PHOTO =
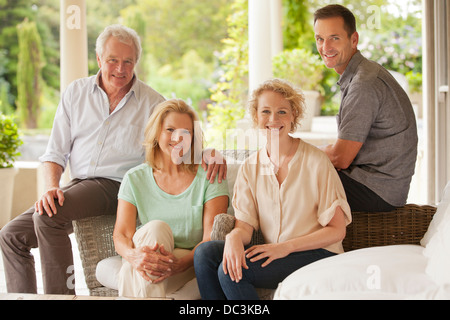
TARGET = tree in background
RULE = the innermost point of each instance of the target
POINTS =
(29, 78)
(134, 18)
(11, 14)
(5, 96)
(229, 94)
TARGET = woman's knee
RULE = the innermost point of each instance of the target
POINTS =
(208, 256)
(155, 231)
(208, 249)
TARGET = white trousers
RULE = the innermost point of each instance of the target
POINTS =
(131, 283)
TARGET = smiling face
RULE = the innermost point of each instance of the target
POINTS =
(334, 44)
(176, 135)
(274, 114)
(117, 64)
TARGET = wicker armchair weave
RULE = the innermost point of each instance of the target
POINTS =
(404, 225)
(95, 243)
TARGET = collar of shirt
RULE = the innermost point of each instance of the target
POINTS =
(347, 76)
(135, 88)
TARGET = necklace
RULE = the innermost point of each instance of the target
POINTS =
(276, 168)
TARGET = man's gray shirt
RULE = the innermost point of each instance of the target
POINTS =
(377, 112)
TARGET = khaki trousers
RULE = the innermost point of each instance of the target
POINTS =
(83, 198)
(131, 283)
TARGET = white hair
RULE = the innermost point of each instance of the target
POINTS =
(123, 34)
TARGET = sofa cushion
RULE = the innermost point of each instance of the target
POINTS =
(378, 272)
(438, 253)
(107, 272)
(442, 213)
(437, 242)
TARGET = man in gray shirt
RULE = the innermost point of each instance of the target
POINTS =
(376, 149)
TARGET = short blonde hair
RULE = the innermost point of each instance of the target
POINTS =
(154, 127)
(293, 95)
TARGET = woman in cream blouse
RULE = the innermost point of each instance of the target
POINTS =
(288, 189)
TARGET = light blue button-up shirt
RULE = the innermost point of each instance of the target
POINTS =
(99, 144)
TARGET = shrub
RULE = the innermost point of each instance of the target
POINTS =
(9, 141)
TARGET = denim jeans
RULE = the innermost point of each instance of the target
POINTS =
(215, 285)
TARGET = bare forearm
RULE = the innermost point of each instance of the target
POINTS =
(124, 246)
(334, 232)
(316, 240)
(241, 231)
(52, 173)
(342, 152)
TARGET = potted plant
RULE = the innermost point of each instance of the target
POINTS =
(9, 145)
(305, 70)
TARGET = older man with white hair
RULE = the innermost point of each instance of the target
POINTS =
(98, 126)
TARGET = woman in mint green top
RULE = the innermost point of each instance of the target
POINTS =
(174, 201)
(183, 212)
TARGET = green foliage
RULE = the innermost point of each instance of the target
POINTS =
(5, 96)
(297, 25)
(11, 14)
(174, 27)
(301, 67)
(46, 15)
(30, 64)
(187, 79)
(229, 94)
(9, 141)
(414, 81)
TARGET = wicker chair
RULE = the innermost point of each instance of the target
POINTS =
(405, 225)
(95, 243)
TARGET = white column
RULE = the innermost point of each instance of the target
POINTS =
(73, 31)
(429, 98)
(73, 47)
(265, 40)
(260, 43)
(276, 17)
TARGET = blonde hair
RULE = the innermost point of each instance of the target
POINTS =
(293, 95)
(154, 127)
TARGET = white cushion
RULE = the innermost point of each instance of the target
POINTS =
(383, 272)
(442, 213)
(107, 272)
(437, 242)
(437, 293)
(189, 291)
(438, 253)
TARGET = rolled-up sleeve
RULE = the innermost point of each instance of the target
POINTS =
(331, 195)
(244, 199)
(58, 148)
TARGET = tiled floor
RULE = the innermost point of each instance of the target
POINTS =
(80, 284)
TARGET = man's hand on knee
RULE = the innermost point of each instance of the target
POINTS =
(47, 202)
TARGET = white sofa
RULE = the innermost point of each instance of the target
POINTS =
(388, 272)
